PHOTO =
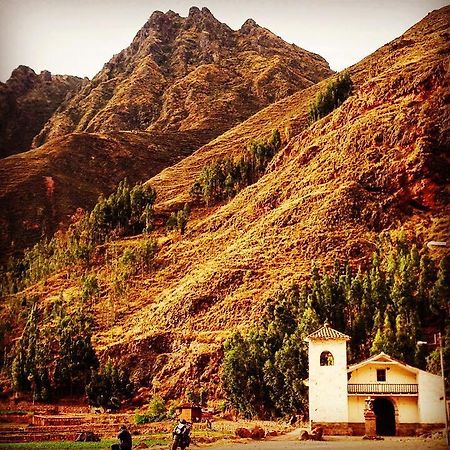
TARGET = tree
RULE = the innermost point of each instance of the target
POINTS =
(224, 178)
(76, 358)
(440, 293)
(333, 96)
(24, 363)
(384, 339)
(109, 387)
(243, 375)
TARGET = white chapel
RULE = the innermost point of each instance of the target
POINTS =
(406, 400)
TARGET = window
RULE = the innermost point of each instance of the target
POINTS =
(326, 359)
(381, 374)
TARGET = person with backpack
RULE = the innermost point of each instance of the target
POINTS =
(181, 435)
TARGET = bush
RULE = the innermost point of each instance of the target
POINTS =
(156, 411)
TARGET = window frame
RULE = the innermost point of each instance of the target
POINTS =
(381, 373)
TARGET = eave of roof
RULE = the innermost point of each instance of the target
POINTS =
(327, 333)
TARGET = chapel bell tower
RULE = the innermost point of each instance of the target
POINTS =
(327, 356)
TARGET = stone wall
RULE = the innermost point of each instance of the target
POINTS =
(333, 428)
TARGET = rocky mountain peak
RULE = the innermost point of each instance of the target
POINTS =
(158, 20)
(22, 78)
(174, 65)
(248, 25)
(203, 19)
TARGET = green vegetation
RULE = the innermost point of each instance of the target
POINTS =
(178, 220)
(70, 445)
(127, 211)
(198, 397)
(224, 178)
(53, 355)
(386, 307)
(335, 94)
(155, 412)
(109, 387)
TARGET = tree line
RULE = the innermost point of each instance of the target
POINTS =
(128, 210)
(224, 178)
(54, 357)
(387, 307)
(336, 92)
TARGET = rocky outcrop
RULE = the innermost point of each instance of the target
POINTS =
(27, 101)
(191, 73)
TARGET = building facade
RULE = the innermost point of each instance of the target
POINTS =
(406, 400)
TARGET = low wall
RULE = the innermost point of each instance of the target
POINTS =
(15, 418)
(44, 421)
(417, 429)
(402, 429)
(332, 428)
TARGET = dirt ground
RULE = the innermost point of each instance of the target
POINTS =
(291, 442)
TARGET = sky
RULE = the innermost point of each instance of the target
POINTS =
(76, 37)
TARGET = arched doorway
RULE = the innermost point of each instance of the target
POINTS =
(385, 414)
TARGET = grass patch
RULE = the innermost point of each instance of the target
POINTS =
(70, 445)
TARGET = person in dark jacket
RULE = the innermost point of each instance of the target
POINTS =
(181, 435)
(124, 436)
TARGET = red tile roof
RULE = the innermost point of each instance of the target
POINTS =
(326, 332)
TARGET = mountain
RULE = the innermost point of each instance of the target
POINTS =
(377, 162)
(192, 73)
(27, 101)
(51, 182)
(182, 81)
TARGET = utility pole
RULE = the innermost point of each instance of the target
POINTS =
(438, 341)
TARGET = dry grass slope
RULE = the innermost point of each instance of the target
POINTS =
(378, 162)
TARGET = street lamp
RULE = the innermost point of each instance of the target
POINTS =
(438, 341)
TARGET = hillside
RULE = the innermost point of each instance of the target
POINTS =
(181, 83)
(27, 101)
(49, 183)
(192, 73)
(378, 162)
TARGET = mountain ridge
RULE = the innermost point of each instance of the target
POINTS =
(169, 47)
(180, 77)
(27, 101)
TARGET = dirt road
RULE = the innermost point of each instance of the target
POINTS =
(289, 442)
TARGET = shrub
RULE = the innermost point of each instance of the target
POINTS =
(156, 411)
